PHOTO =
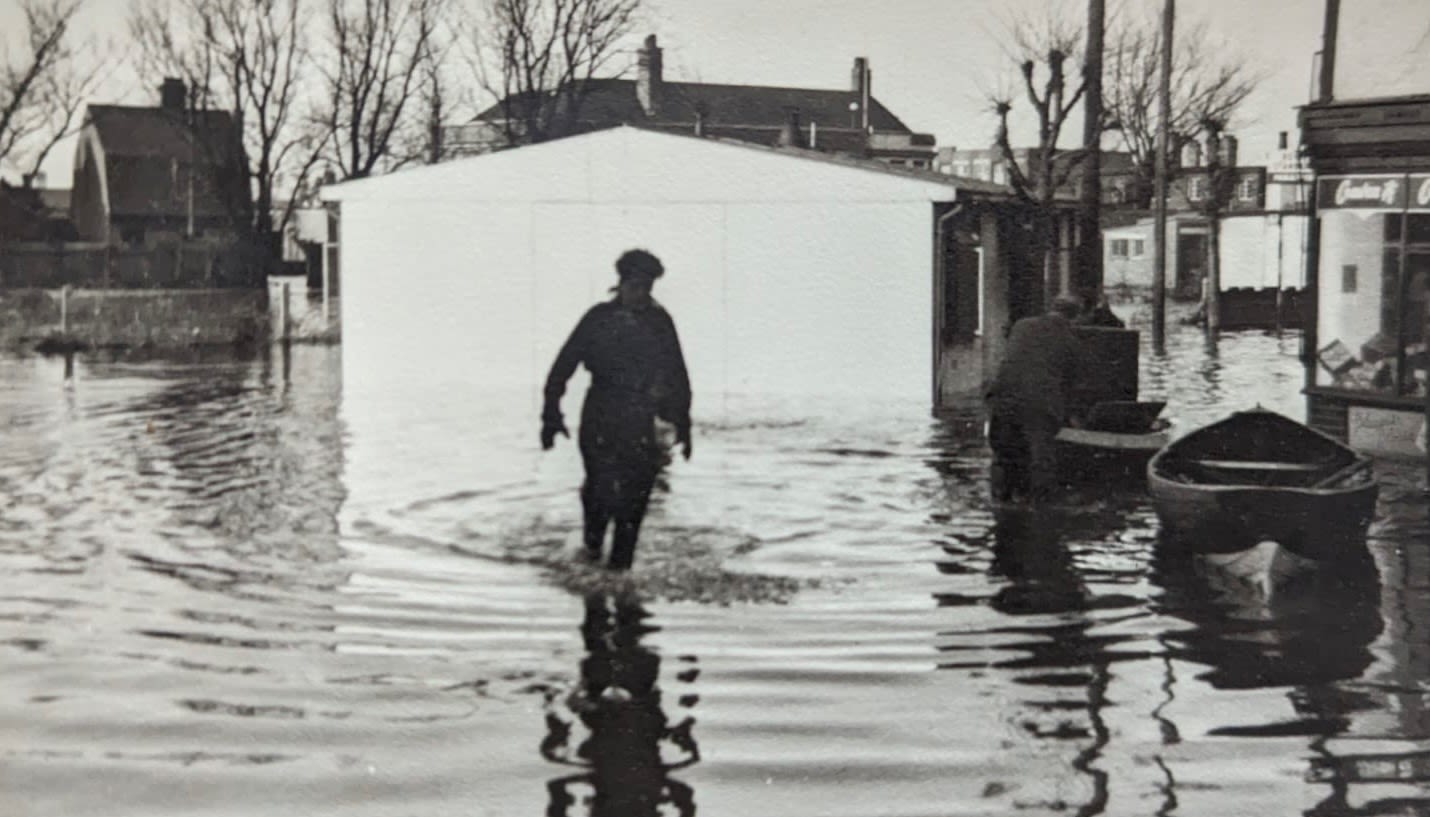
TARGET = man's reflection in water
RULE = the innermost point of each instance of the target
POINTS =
(1029, 552)
(1068, 665)
(619, 703)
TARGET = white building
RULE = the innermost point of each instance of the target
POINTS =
(787, 272)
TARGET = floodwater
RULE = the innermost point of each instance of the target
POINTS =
(216, 599)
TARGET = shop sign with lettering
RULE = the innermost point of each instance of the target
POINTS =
(1366, 192)
(1419, 192)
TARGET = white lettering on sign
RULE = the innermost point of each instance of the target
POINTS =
(1348, 192)
(1422, 196)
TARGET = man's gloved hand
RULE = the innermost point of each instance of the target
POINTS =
(683, 437)
(549, 430)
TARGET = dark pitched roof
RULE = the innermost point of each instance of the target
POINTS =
(148, 153)
(131, 131)
(614, 102)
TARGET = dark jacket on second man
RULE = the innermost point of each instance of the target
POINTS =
(1041, 366)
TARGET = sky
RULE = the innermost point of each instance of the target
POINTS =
(933, 61)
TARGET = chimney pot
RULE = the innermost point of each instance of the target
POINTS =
(172, 94)
(862, 78)
(1228, 154)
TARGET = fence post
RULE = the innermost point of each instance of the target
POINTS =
(65, 309)
(283, 312)
(325, 285)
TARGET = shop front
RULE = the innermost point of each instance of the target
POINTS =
(1368, 377)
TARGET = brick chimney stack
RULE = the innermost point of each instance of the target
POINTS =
(648, 77)
(861, 78)
(172, 94)
(1228, 151)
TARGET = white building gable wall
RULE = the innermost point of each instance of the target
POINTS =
(785, 275)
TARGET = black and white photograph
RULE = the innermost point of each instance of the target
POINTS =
(660, 408)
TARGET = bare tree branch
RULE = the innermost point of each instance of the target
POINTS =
(379, 53)
(537, 57)
(1041, 45)
(44, 85)
(1208, 84)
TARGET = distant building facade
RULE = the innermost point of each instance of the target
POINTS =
(850, 122)
(145, 175)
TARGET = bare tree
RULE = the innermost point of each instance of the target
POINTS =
(1208, 84)
(537, 57)
(381, 62)
(1042, 47)
(44, 86)
(249, 57)
(440, 97)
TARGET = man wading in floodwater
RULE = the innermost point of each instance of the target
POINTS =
(637, 374)
(1028, 401)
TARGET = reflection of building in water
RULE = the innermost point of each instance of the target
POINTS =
(1379, 763)
(618, 701)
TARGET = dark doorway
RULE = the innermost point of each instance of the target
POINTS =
(1191, 264)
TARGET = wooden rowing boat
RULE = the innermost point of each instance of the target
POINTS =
(1258, 477)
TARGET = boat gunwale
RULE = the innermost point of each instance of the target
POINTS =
(1169, 452)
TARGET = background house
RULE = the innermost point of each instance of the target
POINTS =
(148, 175)
(1262, 224)
(850, 121)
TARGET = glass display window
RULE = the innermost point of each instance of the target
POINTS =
(1374, 269)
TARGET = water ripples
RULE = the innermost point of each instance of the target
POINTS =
(215, 598)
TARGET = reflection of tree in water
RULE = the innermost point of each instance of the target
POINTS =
(619, 704)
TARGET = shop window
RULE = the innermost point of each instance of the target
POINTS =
(1418, 228)
(1246, 190)
(1372, 327)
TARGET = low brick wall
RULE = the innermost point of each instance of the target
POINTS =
(154, 318)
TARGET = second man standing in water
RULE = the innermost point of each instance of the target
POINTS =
(631, 349)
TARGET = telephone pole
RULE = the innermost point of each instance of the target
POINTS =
(1159, 231)
(1089, 262)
